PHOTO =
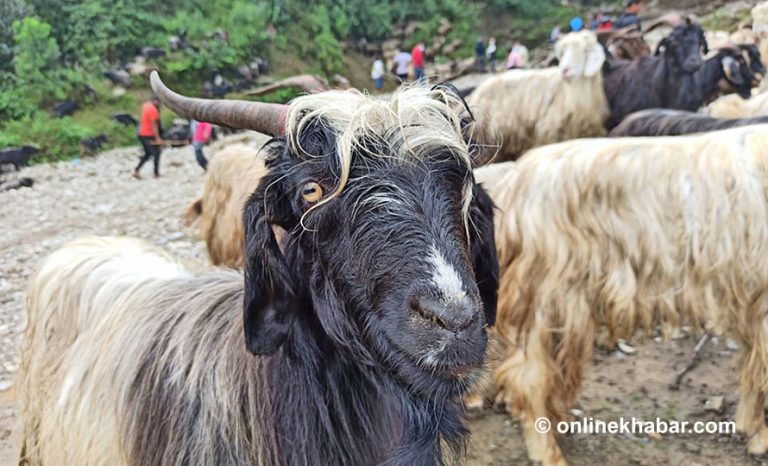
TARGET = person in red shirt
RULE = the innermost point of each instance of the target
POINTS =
(149, 135)
(417, 57)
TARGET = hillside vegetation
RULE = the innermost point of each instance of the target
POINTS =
(53, 51)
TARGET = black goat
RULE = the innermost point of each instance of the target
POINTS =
(17, 156)
(665, 122)
(16, 184)
(725, 72)
(752, 55)
(118, 77)
(665, 80)
(125, 119)
(65, 108)
(89, 146)
(217, 91)
(370, 276)
(151, 53)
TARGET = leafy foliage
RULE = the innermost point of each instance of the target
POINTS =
(58, 139)
(52, 50)
(38, 75)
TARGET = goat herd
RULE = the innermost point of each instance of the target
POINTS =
(376, 256)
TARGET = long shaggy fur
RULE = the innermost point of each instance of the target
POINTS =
(521, 109)
(733, 106)
(615, 235)
(664, 122)
(75, 296)
(348, 340)
(233, 175)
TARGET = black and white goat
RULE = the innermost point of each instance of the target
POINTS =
(363, 320)
(725, 72)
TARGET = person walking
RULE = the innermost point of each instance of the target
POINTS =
(201, 136)
(149, 135)
(555, 34)
(490, 52)
(480, 55)
(417, 54)
(377, 73)
(403, 61)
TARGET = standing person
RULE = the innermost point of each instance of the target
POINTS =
(480, 55)
(149, 135)
(418, 60)
(201, 136)
(594, 22)
(490, 52)
(606, 23)
(403, 61)
(555, 34)
(518, 56)
(576, 24)
(377, 73)
(630, 16)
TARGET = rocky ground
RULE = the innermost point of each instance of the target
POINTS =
(98, 196)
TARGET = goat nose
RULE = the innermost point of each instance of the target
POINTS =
(694, 63)
(452, 314)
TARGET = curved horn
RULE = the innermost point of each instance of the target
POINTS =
(262, 117)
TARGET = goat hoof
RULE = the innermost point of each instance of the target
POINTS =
(758, 444)
(474, 407)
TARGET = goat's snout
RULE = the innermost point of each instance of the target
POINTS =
(453, 314)
(692, 63)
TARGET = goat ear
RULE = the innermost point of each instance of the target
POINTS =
(595, 60)
(269, 296)
(483, 252)
(662, 46)
(731, 71)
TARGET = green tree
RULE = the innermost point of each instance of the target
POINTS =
(38, 73)
(10, 11)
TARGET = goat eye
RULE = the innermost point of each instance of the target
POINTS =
(311, 192)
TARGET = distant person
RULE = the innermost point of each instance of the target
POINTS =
(403, 61)
(518, 56)
(605, 24)
(630, 16)
(490, 53)
(594, 22)
(555, 34)
(149, 135)
(377, 74)
(576, 24)
(417, 55)
(200, 137)
(480, 55)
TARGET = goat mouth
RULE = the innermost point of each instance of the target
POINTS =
(451, 361)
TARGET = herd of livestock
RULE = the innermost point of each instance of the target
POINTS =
(371, 247)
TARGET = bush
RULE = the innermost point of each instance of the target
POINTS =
(58, 139)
